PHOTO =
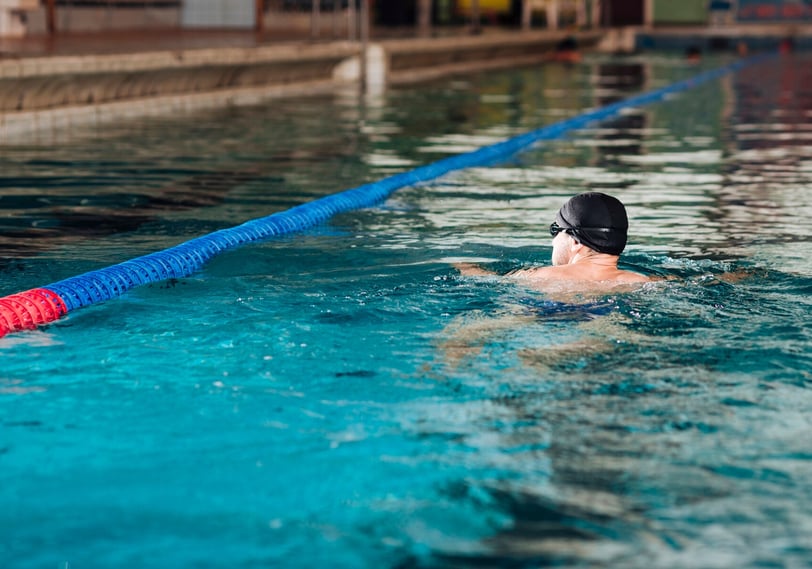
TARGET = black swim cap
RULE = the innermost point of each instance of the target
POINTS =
(598, 221)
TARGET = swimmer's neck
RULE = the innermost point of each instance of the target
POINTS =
(595, 259)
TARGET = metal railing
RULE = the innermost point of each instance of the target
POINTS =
(340, 19)
(108, 15)
(313, 19)
(321, 19)
(333, 19)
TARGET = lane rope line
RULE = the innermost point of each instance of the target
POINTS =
(32, 308)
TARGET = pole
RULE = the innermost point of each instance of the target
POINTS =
(259, 16)
(648, 14)
(552, 14)
(352, 20)
(364, 43)
(424, 18)
(50, 17)
(315, 24)
(476, 24)
(527, 14)
(580, 14)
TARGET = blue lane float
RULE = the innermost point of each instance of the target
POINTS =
(35, 307)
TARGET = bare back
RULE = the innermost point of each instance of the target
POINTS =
(579, 278)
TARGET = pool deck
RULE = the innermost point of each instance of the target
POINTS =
(54, 83)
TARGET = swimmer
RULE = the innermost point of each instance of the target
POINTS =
(693, 54)
(589, 234)
(567, 50)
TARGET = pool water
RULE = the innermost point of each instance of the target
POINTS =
(342, 397)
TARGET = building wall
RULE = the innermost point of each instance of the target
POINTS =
(682, 12)
(700, 12)
(218, 14)
(77, 18)
(774, 11)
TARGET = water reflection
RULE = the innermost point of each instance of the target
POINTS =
(767, 137)
(37, 222)
(662, 451)
(681, 442)
(636, 455)
(167, 179)
(623, 135)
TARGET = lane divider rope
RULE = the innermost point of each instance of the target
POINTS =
(29, 309)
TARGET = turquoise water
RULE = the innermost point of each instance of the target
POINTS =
(342, 397)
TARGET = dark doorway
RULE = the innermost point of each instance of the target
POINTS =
(622, 13)
(396, 12)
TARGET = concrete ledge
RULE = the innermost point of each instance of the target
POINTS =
(27, 124)
(413, 60)
(51, 82)
(51, 92)
(411, 54)
(151, 60)
(59, 90)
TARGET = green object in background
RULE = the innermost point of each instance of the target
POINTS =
(444, 11)
(682, 12)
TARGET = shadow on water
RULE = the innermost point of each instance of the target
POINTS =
(36, 223)
(545, 533)
(115, 181)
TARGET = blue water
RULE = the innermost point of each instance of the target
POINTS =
(342, 397)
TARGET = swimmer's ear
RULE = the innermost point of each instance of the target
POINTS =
(575, 245)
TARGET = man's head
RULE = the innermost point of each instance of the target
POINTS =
(595, 220)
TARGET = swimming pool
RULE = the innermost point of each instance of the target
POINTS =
(341, 396)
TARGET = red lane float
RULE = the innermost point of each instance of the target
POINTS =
(29, 309)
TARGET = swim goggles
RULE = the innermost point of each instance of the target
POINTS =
(555, 229)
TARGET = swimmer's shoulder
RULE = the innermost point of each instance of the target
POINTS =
(571, 273)
(632, 277)
(560, 275)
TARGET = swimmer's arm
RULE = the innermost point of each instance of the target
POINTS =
(531, 273)
(473, 270)
(739, 275)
